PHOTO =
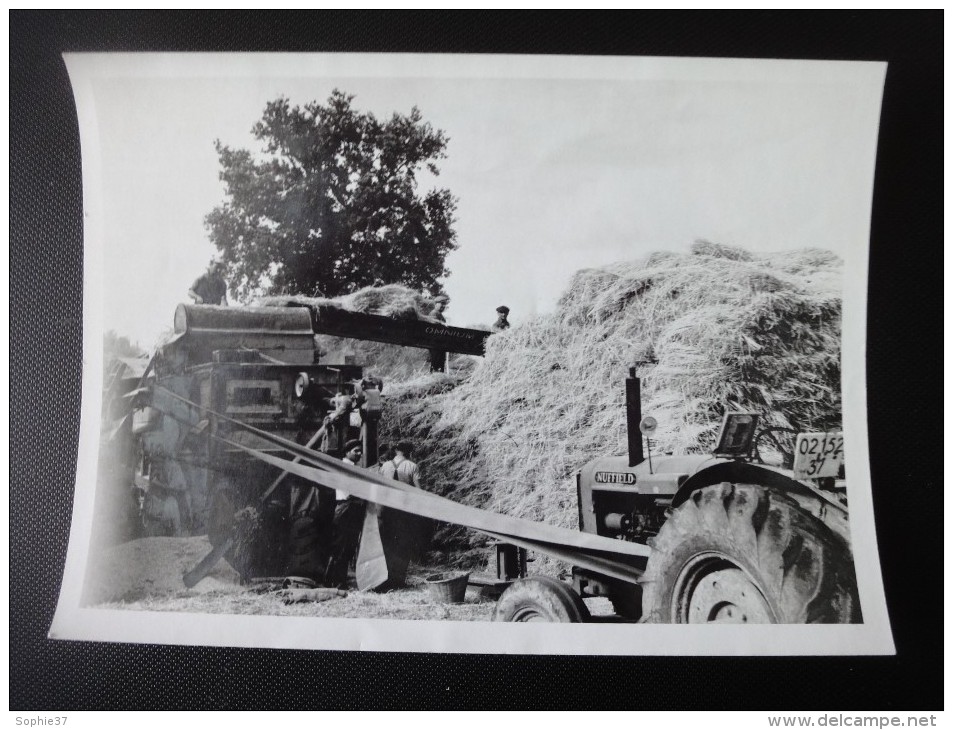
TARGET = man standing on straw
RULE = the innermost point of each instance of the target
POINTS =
(502, 323)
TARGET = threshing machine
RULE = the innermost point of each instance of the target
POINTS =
(258, 366)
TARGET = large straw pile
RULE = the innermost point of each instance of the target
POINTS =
(717, 329)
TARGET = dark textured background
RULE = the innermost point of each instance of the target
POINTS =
(904, 371)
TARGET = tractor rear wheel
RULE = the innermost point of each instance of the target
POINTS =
(539, 598)
(744, 553)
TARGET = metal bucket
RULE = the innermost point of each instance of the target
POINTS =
(448, 587)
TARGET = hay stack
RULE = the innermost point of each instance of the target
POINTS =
(727, 329)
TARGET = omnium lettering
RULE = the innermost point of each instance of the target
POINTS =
(615, 477)
(450, 333)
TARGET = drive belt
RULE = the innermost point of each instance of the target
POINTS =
(615, 558)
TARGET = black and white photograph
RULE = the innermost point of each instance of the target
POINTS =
(615, 181)
(407, 349)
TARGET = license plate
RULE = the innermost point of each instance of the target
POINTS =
(818, 455)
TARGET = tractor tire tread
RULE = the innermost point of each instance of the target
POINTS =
(804, 571)
(541, 597)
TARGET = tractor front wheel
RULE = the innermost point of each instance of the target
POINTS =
(539, 598)
(743, 553)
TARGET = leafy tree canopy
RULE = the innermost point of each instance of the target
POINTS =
(331, 204)
(117, 345)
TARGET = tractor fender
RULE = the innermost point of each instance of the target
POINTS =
(809, 498)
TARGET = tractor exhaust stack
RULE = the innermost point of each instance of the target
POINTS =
(633, 416)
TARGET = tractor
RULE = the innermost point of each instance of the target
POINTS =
(733, 538)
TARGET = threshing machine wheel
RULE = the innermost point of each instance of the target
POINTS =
(538, 598)
(745, 553)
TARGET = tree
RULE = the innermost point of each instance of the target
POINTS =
(117, 345)
(332, 203)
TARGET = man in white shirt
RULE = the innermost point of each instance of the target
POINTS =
(348, 520)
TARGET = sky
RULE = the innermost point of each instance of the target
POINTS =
(558, 163)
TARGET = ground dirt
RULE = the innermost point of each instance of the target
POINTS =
(146, 575)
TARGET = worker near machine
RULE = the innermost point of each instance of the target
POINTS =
(415, 532)
(353, 451)
(401, 467)
(438, 358)
(210, 287)
(385, 453)
(440, 303)
(348, 520)
(502, 323)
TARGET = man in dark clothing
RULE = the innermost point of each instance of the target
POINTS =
(410, 533)
(210, 287)
(384, 454)
(348, 520)
(502, 322)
